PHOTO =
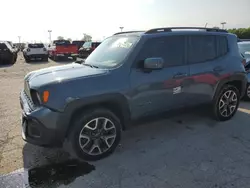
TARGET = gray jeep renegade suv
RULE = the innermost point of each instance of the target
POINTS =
(129, 76)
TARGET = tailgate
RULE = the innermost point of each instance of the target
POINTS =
(37, 51)
(69, 48)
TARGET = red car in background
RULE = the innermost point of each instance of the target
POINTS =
(62, 49)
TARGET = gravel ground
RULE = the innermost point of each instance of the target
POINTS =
(11, 82)
(189, 150)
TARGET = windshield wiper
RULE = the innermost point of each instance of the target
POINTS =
(89, 65)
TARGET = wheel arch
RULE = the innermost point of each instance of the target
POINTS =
(238, 80)
(116, 103)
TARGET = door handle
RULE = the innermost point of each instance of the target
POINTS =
(218, 69)
(180, 75)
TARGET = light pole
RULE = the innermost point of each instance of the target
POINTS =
(50, 35)
(19, 39)
(206, 25)
(121, 28)
(222, 24)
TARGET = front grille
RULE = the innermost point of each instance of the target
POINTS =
(26, 99)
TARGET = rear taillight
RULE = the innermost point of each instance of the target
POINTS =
(28, 49)
(244, 62)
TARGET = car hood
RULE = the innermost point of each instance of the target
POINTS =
(61, 73)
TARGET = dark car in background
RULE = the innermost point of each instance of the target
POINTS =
(244, 48)
(79, 43)
(7, 54)
(87, 48)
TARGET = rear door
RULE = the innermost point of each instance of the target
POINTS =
(159, 90)
(207, 61)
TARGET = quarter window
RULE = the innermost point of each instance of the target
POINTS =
(222, 47)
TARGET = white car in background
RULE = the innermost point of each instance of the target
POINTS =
(35, 51)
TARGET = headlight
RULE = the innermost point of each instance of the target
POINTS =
(38, 97)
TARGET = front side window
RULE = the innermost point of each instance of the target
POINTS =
(201, 48)
(170, 48)
(112, 51)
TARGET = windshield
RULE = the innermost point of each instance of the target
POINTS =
(61, 42)
(244, 48)
(87, 45)
(112, 51)
(35, 45)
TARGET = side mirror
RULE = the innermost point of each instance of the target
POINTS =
(154, 63)
(49, 45)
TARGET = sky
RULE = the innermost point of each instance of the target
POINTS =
(31, 19)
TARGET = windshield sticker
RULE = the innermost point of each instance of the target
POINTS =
(122, 43)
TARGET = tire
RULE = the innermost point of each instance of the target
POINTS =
(54, 57)
(247, 93)
(27, 59)
(74, 58)
(45, 59)
(80, 126)
(218, 108)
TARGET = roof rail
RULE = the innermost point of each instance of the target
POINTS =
(169, 29)
(127, 32)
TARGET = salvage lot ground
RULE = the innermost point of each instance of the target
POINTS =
(189, 150)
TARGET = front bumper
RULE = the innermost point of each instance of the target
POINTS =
(39, 125)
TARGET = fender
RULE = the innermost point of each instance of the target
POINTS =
(77, 105)
(242, 77)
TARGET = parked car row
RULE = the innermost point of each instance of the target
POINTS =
(59, 49)
(131, 75)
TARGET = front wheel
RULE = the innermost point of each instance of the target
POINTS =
(96, 134)
(226, 104)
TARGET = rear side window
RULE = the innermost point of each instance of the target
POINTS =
(170, 48)
(35, 45)
(201, 48)
(222, 47)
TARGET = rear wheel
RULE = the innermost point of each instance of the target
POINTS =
(226, 104)
(27, 59)
(74, 58)
(54, 57)
(96, 134)
(247, 93)
(45, 59)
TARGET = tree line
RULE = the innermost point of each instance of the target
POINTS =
(86, 37)
(242, 33)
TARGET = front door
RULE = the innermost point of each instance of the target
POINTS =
(159, 90)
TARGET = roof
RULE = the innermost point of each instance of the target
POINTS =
(173, 29)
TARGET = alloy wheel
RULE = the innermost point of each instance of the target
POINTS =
(228, 103)
(248, 91)
(97, 136)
